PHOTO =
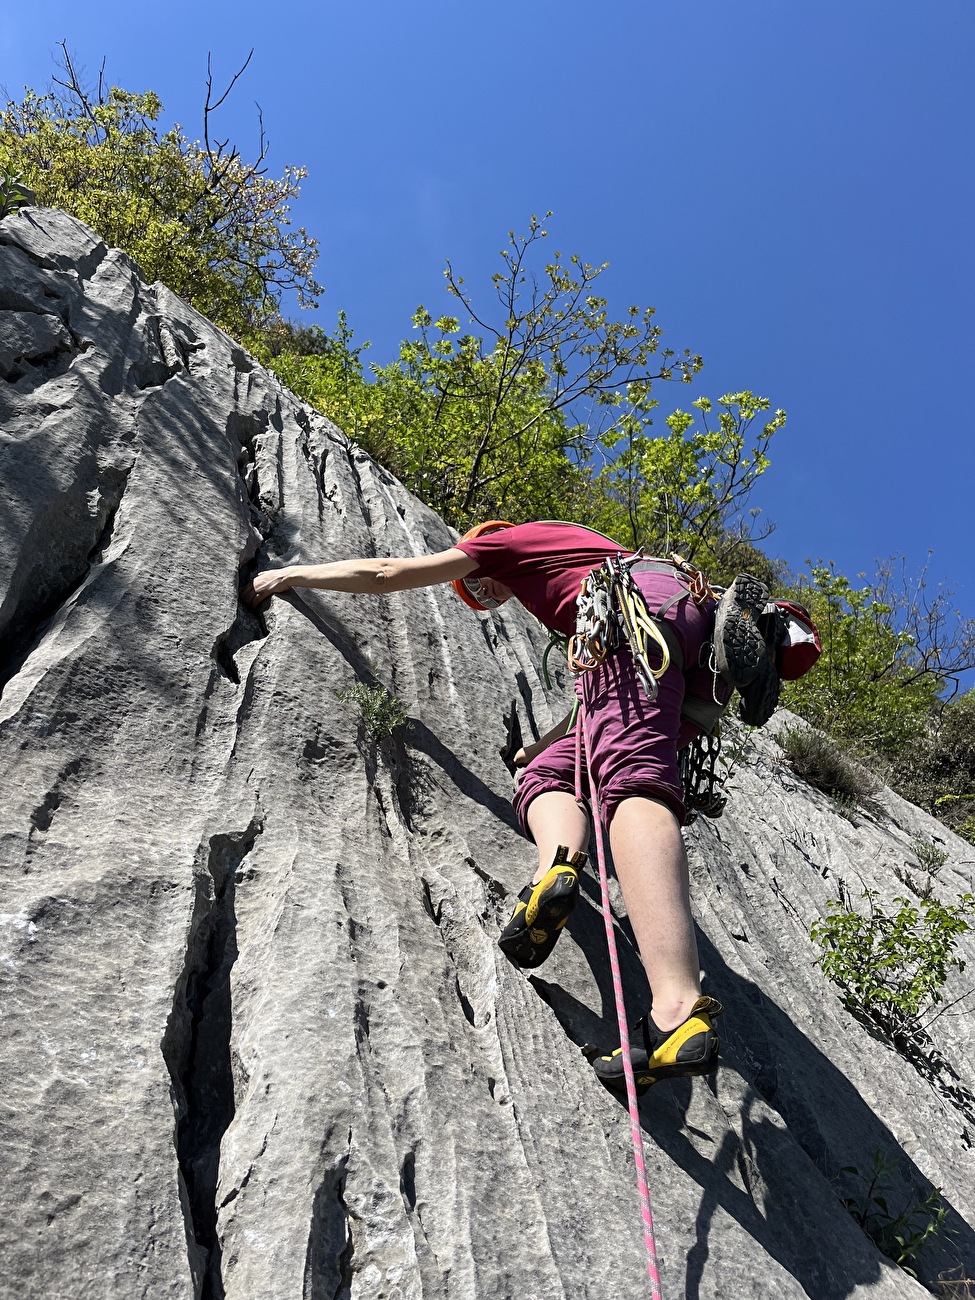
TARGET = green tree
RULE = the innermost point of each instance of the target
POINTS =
(892, 966)
(887, 656)
(194, 214)
(689, 490)
(544, 412)
(937, 771)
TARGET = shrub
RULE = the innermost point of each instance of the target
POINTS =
(823, 764)
(380, 711)
(14, 193)
(877, 680)
(898, 1234)
(892, 966)
(937, 772)
(931, 857)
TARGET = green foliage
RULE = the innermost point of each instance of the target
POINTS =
(888, 652)
(822, 763)
(866, 687)
(931, 857)
(14, 193)
(380, 711)
(897, 1233)
(937, 771)
(193, 214)
(542, 413)
(686, 491)
(892, 966)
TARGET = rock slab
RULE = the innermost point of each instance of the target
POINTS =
(257, 1041)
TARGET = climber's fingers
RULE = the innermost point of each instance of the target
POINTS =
(266, 584)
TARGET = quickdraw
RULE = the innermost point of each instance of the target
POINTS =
(611, 610)
(612, 607)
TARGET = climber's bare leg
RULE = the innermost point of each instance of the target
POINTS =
(555, 818)
(651, 865)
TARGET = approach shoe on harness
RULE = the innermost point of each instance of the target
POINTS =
(739, 646)
(761, 695)
(656, 1054)
(542, 910)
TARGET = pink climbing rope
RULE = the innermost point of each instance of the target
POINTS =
(583, 743)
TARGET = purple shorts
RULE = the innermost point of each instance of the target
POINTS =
(634, 740)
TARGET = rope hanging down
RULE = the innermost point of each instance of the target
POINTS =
(583, 745)
(612, 609)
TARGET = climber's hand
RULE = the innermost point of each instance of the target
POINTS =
(266, 584)
(520, 758)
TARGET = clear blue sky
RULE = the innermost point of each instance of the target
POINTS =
(790, 184)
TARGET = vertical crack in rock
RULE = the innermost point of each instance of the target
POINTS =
(328, 1257)
(247, 626)
(196, 1048)
(168, 346)
(352, 451)
(315, 463)
(53, 578)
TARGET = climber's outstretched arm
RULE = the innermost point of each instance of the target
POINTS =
(377, 576)
(522, 757)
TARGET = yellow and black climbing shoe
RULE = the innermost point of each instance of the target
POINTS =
(691, 1048)
(542, 911)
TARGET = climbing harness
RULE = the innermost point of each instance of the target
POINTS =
(611, 608)
(613, 611)
(583, 747)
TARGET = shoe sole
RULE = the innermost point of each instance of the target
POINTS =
(758, 700)
(739, 645)
(645, 1079)
(554, 909)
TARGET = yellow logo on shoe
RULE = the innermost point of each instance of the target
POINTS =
(550, 878)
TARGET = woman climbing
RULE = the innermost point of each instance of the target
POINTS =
(631, 759)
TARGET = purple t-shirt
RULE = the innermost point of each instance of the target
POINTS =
(544, 565)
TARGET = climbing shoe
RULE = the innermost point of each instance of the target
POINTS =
(542, 911)
(691, 1048)
(739, 646)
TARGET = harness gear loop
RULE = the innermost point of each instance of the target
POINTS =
(555, 641)
(583, 743)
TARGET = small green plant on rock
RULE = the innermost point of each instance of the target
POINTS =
(823, 764)
(898, 1234)
(14, 193)
(930, 856)
(381, 712)
(892, 966)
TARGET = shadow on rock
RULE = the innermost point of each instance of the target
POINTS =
(764, 1174)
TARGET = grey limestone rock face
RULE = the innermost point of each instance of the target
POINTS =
(257, 1040)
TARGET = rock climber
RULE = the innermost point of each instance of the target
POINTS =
(633, 759)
